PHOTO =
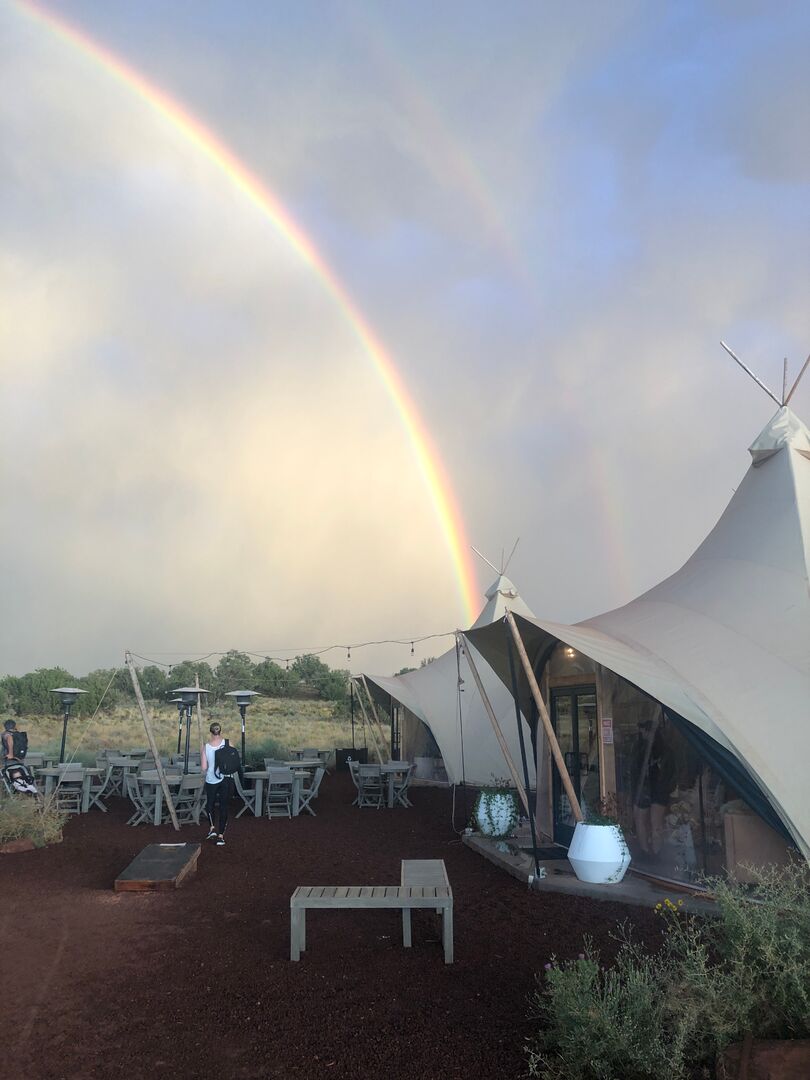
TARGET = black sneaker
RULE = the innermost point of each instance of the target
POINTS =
(212, 835)
(220, 841)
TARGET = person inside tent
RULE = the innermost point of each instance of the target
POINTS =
(15, 771)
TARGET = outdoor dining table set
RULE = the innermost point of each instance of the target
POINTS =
(282, 789)
(387, 783)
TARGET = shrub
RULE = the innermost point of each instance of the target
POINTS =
(764, 939)
(669, 1013)
(24, 818)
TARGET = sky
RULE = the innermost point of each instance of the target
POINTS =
(547, 216)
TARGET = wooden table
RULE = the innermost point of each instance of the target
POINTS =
(259, 776)
(151, 778)
(52, 774)
(121, 765)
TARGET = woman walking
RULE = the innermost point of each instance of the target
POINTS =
(218, 788)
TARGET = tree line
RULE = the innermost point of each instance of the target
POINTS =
(306, 677)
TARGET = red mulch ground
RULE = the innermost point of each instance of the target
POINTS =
(198, 982)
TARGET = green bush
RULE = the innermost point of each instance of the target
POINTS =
(670, 1012)
(24, 818)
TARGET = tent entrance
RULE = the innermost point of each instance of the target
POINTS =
(573, 717)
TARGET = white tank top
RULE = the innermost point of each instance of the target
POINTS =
(210, 752)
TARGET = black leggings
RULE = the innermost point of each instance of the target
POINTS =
(221, 793)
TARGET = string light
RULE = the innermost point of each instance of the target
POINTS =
(299, 652)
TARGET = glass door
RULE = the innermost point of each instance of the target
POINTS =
(573, 717)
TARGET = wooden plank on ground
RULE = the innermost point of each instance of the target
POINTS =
(159, 867)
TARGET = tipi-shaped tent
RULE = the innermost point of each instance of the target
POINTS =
(436, 716)
(723, 644)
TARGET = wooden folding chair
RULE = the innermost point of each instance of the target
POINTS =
(279, 793)
(188, 800)
(369, 786)
(101, 786)
(401, 785)
(310, 792)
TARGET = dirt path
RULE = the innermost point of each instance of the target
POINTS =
(198, 983)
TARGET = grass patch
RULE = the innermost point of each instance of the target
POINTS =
(274, 727)
(24, 818)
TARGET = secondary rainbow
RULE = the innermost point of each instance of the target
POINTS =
(207, 143)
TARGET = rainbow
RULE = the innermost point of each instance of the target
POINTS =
(211, 147)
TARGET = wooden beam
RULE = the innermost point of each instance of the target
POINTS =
(568, 787)
(798, 379)
(496, 727)
(367, 723)
(150, 738)
(374, 713)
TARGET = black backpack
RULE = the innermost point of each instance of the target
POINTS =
(227, 761)
(19, 744)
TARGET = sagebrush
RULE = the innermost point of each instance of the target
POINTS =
(670, 1012)
(24, 818)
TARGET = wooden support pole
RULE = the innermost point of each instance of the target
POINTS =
(496, 727)
(600, 745)
(150, 738)
(367, 724)
(798, 380)
(568, 787)
(375, 714)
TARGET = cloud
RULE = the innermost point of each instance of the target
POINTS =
(549, 223)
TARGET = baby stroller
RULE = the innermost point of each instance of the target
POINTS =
(18, 779)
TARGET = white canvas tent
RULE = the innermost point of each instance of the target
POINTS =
(468, 745)
(725, 641)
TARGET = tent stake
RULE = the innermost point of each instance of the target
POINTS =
(496, 727)
(150, 736)
(543, 711)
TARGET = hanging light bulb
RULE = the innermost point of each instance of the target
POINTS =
(412, 653)
(348, 652)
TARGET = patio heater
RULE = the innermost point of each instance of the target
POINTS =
(188, 699)
(181, 708)
(70, 694)
(243, 700)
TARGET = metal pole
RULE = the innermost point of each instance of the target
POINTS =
(516, 696)
(496, 727)
(188, 737)
(179, 728)
(351, 706)
(64, 733)
(242, 710)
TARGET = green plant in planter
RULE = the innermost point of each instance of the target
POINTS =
(495, 811)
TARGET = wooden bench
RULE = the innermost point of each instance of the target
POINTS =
(414, 892)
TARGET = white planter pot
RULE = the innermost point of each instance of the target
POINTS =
(495, 814)
(598, 853)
